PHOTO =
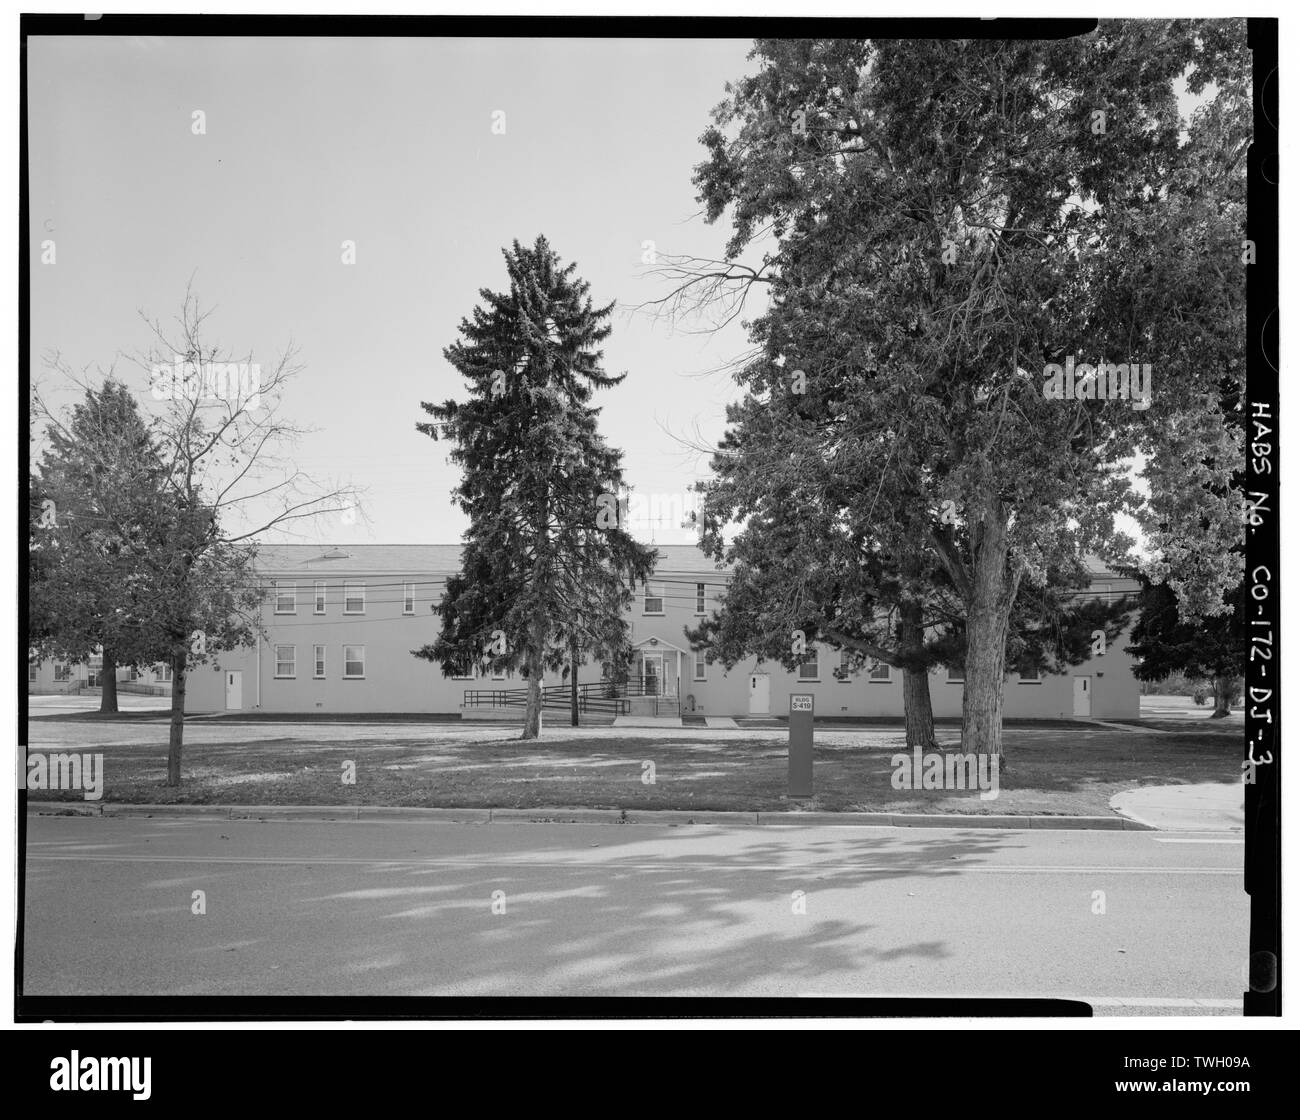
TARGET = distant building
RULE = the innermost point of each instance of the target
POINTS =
(54, 676)
(341, 624)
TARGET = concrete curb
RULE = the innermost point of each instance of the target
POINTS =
(374, 813)
(218, 812)
(558, 816)
(294, 812)
(380, 813)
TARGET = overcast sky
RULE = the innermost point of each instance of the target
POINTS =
(387, 143)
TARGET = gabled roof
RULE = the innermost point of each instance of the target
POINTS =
(409, 559)
(386, 558)
(685, 558)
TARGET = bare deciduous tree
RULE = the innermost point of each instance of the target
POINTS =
(224, 446)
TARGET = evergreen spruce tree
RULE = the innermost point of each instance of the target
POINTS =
(547, 569)
(102, 511)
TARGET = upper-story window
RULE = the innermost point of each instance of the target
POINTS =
(879, 672)
(957, 675)
(1031, 675)
(408, 598)
(354, 598)
(320, 597)
(286, 597)
(699, 598)
(654, 599)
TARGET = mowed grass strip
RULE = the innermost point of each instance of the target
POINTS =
(1055, 772)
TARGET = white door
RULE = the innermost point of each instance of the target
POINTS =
(760, 694)
(1083, 697)
(234, 689)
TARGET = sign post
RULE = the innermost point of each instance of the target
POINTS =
(801, 745)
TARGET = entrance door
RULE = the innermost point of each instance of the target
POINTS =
(234, 689)
(1083, 697)
(760, 694)
(654, 673)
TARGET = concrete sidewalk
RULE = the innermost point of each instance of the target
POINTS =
(1205, 807)
(647, 721)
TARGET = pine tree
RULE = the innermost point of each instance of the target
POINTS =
(547, 569)
(1212, 648)
(102, 511)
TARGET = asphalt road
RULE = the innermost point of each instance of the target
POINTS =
(407, 908)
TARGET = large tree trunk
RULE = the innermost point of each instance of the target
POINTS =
(108, 684)
(533, 705)
(988, 609)
(918, 715)
(176, 736)
(573, 684)
(1223, 687)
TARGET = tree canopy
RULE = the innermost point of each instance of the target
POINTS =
(943, 222)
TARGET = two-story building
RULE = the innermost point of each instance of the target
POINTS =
(341, 623)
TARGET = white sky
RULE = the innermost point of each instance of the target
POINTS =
(386, 142)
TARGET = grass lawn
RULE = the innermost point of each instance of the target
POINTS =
(1071, 771)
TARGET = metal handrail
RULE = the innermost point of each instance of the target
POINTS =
(593, 696)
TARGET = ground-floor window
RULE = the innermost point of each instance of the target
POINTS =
(462, 670)
(354, 662)
(286, 661)
(62, 672)
(318, 657)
